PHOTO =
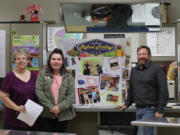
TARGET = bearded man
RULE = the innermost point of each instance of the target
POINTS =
(148, 89)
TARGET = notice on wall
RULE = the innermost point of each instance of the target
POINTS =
(31, 44)
(2, 53)
(178, 52)
(56, 34)
(138, 13)
(152, 16)
(162, 43)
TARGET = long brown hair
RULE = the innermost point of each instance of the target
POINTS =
(63, 67)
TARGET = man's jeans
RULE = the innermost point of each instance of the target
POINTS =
(145, 113)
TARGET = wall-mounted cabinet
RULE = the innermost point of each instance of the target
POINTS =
(113, 16)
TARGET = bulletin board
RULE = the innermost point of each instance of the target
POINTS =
(100, 68)
(100, 64)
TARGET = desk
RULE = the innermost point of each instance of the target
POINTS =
(157, 122)
(18, 132)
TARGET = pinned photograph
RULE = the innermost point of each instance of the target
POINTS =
(109, 82)
(92, 67)
(92, 81)
(89, 95)
(124, 95)
(125, 74)
(73, 73)
(127, 60)
(112, 98)
(114, 63)
(73, 62)
(66, 61)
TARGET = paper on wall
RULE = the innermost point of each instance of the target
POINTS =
(178, 52)
(162, 43)
(2, 53)
(152, 16)
(33, 110)
(138, 13)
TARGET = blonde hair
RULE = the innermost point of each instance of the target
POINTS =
(20, 51)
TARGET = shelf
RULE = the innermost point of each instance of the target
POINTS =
(109, 1)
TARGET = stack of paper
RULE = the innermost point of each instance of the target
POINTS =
(33, 110)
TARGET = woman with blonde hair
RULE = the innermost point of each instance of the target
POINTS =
(18, 86)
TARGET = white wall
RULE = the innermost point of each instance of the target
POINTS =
(173, 10)
(10, 10)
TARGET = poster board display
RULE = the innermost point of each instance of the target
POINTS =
(31, 43)
(100, 68)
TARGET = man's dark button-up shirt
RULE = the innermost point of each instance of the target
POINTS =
(148, 86)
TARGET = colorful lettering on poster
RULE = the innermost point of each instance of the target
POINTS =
(96, 47)
(25, 40)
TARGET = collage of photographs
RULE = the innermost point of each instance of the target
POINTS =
(100, 80)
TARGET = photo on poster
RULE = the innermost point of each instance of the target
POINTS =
(124, 95)
(109, 98)
(73, 61)
(127, 60)
(92, 81)
(127, 84)
(112, 98)
(125, 87)
(89, 95)
(125, 74)
(93, 66)
(73, 73)
(67, 61)
(109, 82)
(113, 62)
